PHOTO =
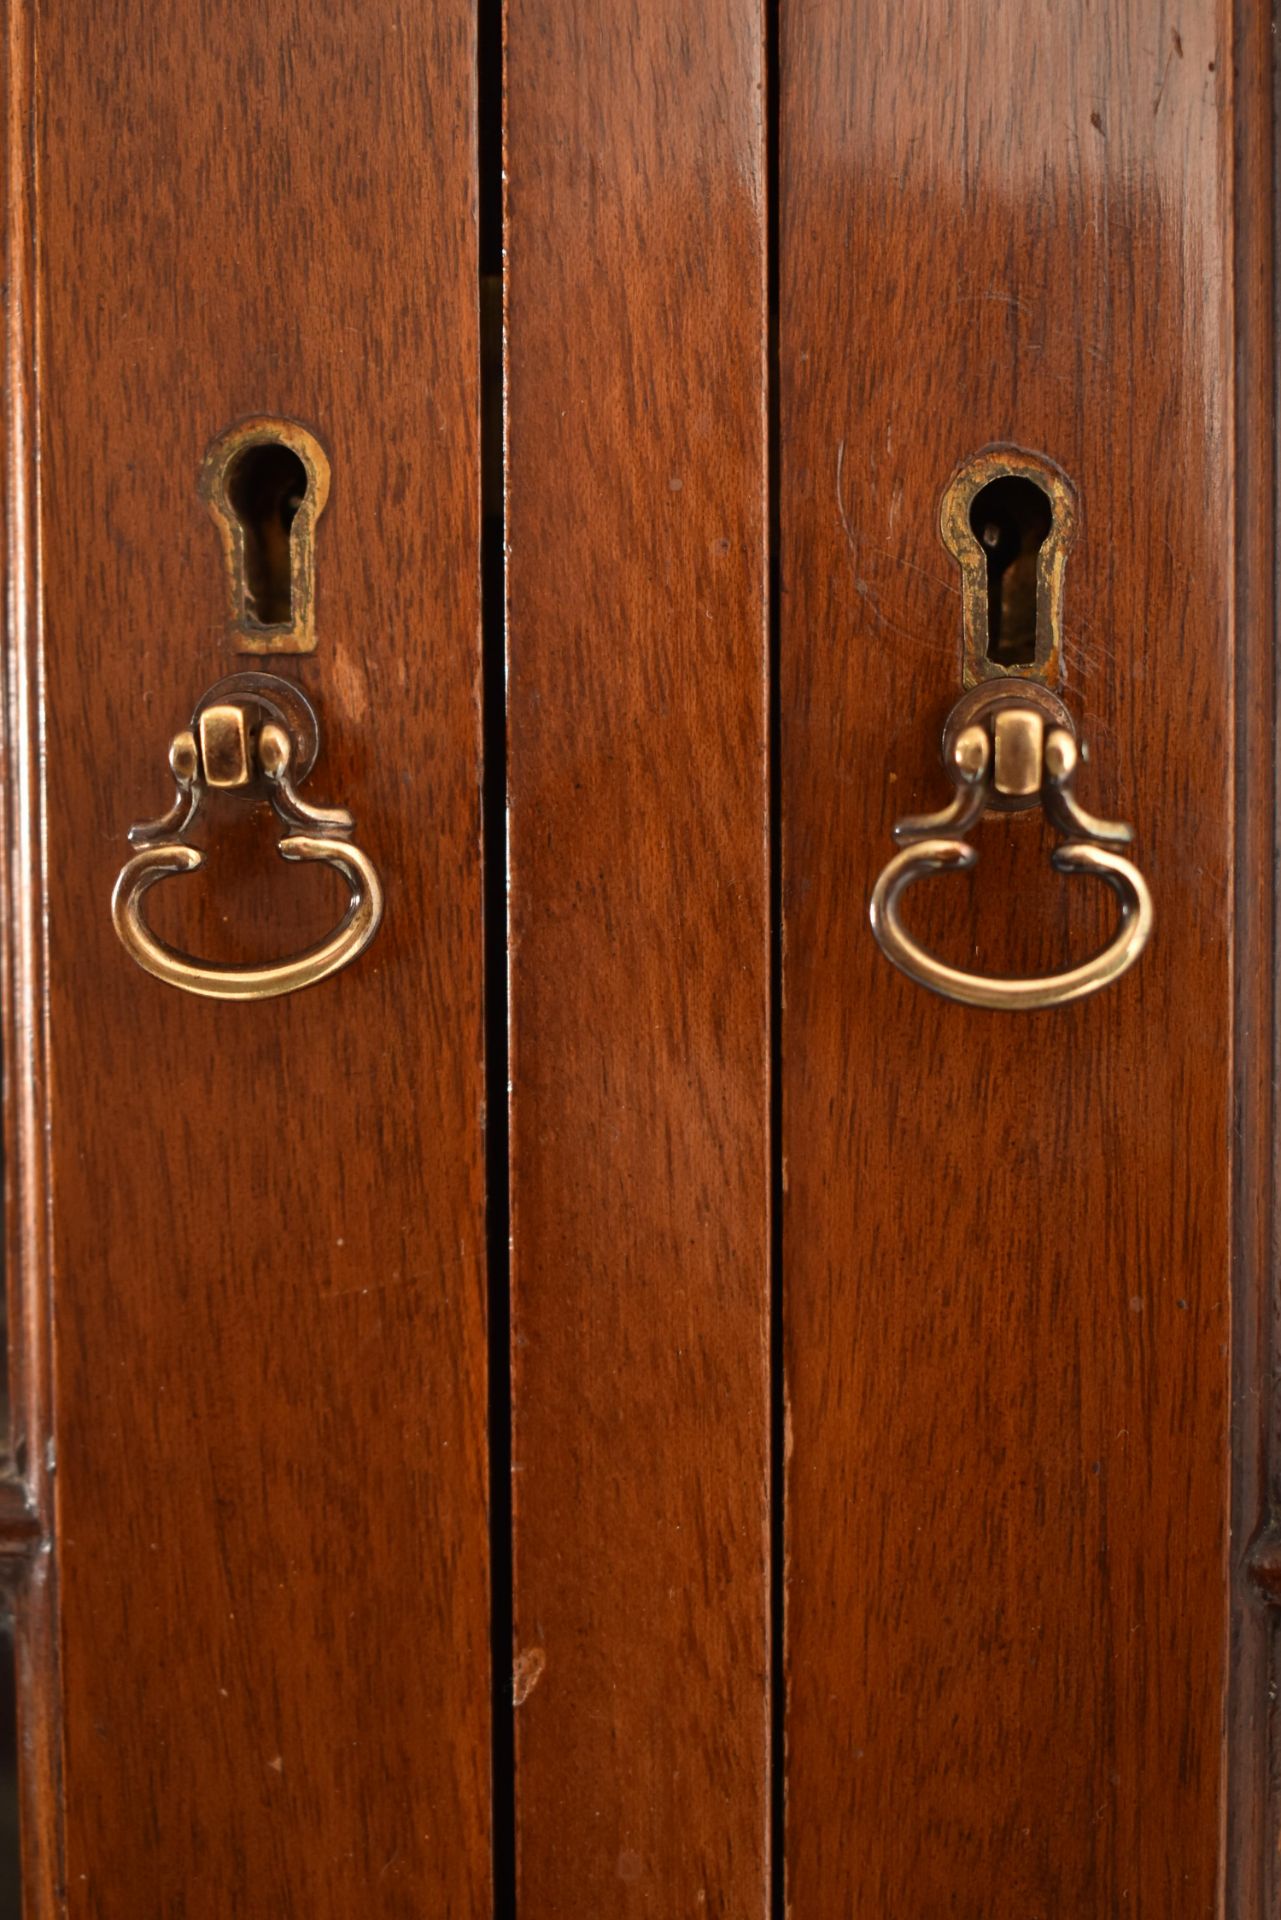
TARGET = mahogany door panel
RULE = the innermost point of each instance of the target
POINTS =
(639, 941)
(1008, 1238)
(265, 1253)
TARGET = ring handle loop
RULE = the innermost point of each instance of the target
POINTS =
(250, 731)
(177, 969)
(1008, 747)
(980, 990)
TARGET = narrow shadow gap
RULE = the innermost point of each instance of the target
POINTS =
(490, 133)
(778, 1382)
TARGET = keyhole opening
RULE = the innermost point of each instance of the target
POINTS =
(265, 488)
(1011, 519)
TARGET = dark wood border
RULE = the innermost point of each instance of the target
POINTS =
(26, 1516)
(1253, 1884)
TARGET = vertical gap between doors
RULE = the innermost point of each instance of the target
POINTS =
(490, 137)
(778, 1381)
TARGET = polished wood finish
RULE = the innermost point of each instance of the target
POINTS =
(639, 956)
(265, 1248)
(1008, 1241)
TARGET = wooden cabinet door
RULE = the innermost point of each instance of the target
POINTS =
(618, 1402)
(248, 1240)
(1010, 1241)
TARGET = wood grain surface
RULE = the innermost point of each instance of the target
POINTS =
(266, 1221)
(1007, 1238)
(639, 956)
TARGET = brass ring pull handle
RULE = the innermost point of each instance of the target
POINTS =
(1009, 747)
(251, 728)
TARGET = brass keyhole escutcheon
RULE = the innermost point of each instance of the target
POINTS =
(266, 482)
(1008, 517)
